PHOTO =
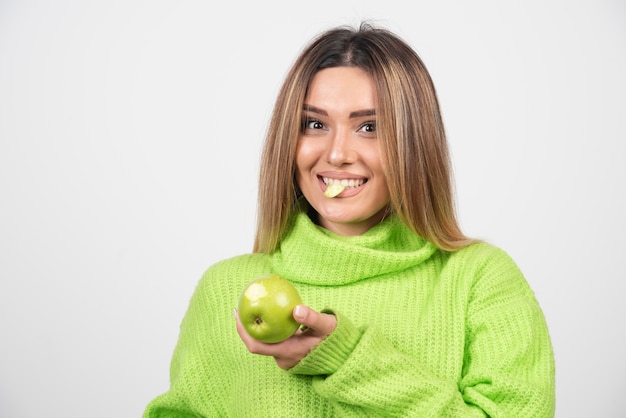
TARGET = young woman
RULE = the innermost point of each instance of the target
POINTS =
(403, 315)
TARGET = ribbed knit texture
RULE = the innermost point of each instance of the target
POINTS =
(420, 333)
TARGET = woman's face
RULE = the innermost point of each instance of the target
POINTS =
(339, 143)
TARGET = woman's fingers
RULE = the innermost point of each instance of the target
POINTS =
(319, 323)
(289, 352)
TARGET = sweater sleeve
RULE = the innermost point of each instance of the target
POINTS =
(191, 385)
(199, 385)
(507, 366)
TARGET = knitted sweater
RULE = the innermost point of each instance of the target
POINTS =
(420, 333)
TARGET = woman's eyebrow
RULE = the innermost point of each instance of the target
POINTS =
(355, 114)
(361, 113)
(313, 109)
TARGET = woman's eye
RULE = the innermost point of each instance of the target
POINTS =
(369, 127)
(312, 124)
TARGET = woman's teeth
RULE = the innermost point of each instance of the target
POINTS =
(343, 182)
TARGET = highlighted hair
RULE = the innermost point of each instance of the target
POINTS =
(409, 126)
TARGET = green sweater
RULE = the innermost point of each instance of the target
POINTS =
(420, 333)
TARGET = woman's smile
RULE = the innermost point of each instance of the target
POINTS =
(350, 184)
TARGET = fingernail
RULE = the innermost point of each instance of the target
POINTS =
(299, 312)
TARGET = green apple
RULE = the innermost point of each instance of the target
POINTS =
(265, 308)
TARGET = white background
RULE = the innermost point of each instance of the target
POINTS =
(130, 134)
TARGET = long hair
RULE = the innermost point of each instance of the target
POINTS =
(409, 127)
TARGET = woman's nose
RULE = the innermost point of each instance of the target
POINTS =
(341, 149)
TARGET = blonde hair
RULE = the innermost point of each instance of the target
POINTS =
(409, 126)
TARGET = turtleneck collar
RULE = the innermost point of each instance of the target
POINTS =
(314, 255)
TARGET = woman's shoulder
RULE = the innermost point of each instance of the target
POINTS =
(490, 269)
(480, 252)
(241, 261)
(237, 269)
(221, 282)
(481, 259)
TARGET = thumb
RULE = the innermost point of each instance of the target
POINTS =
(321, 322)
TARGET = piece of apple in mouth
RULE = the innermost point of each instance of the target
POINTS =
(334, 187)
(333, 190)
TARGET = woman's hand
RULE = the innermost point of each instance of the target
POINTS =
(288, 353)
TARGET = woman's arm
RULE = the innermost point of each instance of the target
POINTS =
(363, 373)
(507, 371)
